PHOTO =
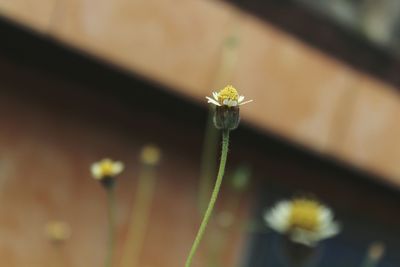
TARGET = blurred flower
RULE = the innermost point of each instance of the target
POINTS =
(150, 155)
(58, 231)
(106, 168)
(376, 251)
(227, 102)
(305, 221)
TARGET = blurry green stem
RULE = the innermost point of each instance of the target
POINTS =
(219, 237)
(208, 159)
(369, 263)
(139, 218)
(214, 195)
(58, 259)
(111, 226)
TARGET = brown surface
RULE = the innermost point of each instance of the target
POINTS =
(48, 140)
(299, 93)
(37, 15)
(373, 130)
(50, 137)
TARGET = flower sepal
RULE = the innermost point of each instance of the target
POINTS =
(226, 118)
(108, 182)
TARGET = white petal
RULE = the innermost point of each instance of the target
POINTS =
(241, 98)
(329, 230)
(304, 237)
(225, 102)
(278, 217)
(245, 102)
(325, 215)
(96, 170)
(117, 167)
(215, 95)
(232, 103)
(212, 101)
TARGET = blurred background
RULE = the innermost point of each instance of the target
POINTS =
(81, 80)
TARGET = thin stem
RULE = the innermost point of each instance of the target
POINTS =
(219, 238)
(369, 263)
(208, 161)
(214, 195)
(139, 218)
(111, 226)
(58, 256)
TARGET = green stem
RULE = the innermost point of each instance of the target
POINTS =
(217, 243)
(208, 161)
(139, 218)
(111, 226)
(214, 195)
(369, 263)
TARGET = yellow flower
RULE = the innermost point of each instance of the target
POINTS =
(305, 221)
(228, 96)
(58, 231)
(106, 168)
(150, 155)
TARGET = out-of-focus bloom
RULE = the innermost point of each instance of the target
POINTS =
(227, 102)
(241, 178)
(305, 221)
(150, 155)
(58, 231)
(376, 251)
(106, 168)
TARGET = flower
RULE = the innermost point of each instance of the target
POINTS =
(150, 155)
(228, 96)
(105, 170)
(227, 102)
(376, 251)
(58, 231)
(305, 221)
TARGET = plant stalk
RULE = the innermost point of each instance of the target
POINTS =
(213, 199)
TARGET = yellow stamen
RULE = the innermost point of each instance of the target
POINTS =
(150, 155)
(304, 214)
(58, 231)
(229, 92)
(107, 167)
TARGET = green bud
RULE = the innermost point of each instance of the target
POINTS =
(226, 118)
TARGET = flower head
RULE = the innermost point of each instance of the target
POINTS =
(105, 170)
(227, 102)
(376, 251)
(228, 96)
(150, 155)
(305, 221)
(58, 231)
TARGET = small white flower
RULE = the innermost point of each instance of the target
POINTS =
(228, 96)
(305, 221)
(106, 168)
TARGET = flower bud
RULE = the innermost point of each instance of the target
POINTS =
(227, 102)
(226, 118)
